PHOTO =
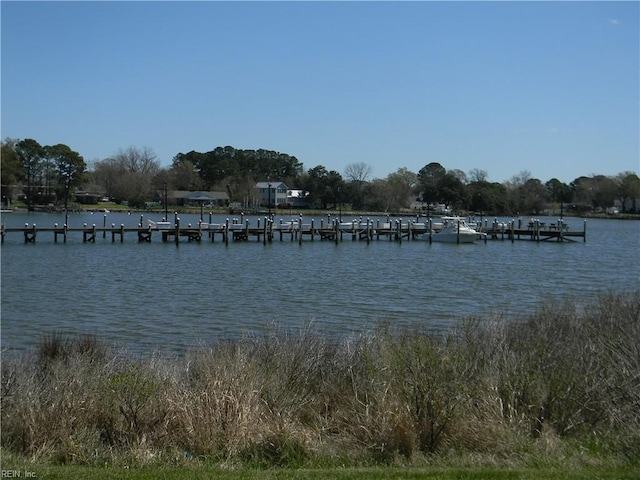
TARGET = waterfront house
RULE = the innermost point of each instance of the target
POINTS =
(297, 198)
(196, 199)
(271, 193)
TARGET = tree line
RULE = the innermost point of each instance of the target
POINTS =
(52, 174)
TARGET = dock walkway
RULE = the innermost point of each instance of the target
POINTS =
(267, 229)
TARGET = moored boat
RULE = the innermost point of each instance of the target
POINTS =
(453, 230)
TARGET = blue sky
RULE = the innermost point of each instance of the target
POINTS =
(551, 88)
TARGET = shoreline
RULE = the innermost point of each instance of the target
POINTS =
(309, 212)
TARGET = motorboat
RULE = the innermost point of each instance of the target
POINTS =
(453, 230)
(159, 225)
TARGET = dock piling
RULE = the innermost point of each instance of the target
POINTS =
(368, 229)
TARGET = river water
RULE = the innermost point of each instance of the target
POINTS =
(160, 296)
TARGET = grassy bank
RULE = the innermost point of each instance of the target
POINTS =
(556, 391)
(78, 472)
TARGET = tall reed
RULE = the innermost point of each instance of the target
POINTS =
(490, 387)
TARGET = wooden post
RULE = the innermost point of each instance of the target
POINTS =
(584, 232)
(560, 230)
(368, 230)
(226, 233)
(27, 234)
(177, 230)
(300, 231)
(104, 226)
(122, 233)
(264, 233)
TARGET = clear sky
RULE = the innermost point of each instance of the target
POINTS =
(547, 87)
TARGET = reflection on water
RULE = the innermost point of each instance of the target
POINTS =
(159, 295)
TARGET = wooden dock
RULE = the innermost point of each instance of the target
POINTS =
(265, 230)
(534, 230)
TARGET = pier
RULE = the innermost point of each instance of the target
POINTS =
(267, 229)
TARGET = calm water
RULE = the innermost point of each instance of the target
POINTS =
(159, 296)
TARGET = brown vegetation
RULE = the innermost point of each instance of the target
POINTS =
(560, 379)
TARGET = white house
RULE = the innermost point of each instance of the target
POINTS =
(272, 193)
(433, 208)
(631, 205)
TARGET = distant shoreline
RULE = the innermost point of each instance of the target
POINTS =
(304, 212)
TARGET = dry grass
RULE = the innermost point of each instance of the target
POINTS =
(561, 385)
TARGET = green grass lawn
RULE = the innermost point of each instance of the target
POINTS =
(377, 473)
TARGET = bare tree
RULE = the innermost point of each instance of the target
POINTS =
(519, 179)
(477, 175)
(459, 174)
(135, 160)
(129, 174)
(358, 172)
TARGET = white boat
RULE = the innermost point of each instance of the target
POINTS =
(159, 225)
(453, 230)
(356, 226)
(288, 226)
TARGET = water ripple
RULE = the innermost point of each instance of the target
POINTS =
(163, 296)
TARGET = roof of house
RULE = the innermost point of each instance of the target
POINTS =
(273, 185)
(203, 196)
